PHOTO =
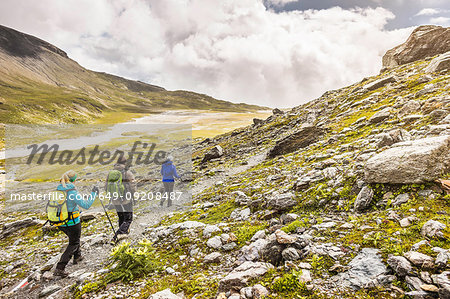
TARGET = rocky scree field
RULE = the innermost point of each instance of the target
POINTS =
(334, 198)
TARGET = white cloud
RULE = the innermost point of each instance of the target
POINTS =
(234, 50)
(440, 21)
(280, 2)
(428, 12)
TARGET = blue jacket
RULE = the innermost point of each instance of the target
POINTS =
(169, 172)
(74, 200)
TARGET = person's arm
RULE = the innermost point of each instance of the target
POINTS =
(131, 182)
(85, 204)
(175, 172)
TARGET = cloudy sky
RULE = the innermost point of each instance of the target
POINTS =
(277, 53)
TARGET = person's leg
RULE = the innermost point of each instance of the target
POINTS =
(166, 192)
(127, 219)
(74, 234)
(170, 190)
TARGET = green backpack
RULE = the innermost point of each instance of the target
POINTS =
(115, 188)
(57, 213)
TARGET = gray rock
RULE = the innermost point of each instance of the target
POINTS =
(379, 83)
(306, 136)
(408, 162)
(261, 234)
(424, 41)
(209, 230)
(187, 225)
(409, 107)
(440, 63)
(400, 199)
(380, 116)
(240, 276)
(433, 229)
(165, 294)
(277, 111)
(290, 254)
(229, 246)
(414, 283)
(364, 199)
(443, 281)
(213, 257)
(213, 153)
(282, 202)
(12, 227)
(364, 270)
(214, 242)
(400, 265)
(254, 251)
(420, 259)
(259, 291)
(284, 238)
(49, 290)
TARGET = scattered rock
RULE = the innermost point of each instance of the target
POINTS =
(305, 136)
(259, 291)
(410, 162)
(290, 254)
(364, 199)
(420, 259)
(433, 229)
(400, 199)
(365, 270)
(282, 202)
(400, 265)
(49, 290)
(284, 238)
(213, 153)
(379, 83)
(214, 242)
(380, 116)
(165, 294)
(438, 64)
(240, 276)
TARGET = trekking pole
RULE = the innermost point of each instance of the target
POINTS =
(109, 219)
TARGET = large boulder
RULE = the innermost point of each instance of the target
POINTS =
(214, 153)
(410, 162)
(282, 202)
(440, 63)
(240, 276)
(305, 136)
(425, 41)
(366, 270)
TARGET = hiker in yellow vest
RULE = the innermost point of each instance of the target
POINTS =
(73, 227)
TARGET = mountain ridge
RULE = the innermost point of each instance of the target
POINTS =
(38, 81)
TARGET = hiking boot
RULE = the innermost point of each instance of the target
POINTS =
(60, 273)
(78, 259)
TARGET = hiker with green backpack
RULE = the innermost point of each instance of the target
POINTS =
(120, 188)
(63, 212)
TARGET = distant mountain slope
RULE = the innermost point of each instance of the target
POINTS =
(40, 83)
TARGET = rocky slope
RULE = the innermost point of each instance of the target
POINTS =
(334, 198)
(425, 41)
(39, 83)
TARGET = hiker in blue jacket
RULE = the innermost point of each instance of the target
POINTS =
(169, 173)
(73, 227)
